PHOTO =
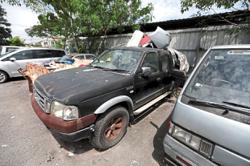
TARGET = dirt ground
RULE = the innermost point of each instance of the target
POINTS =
(24, 140)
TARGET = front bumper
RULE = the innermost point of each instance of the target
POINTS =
(74, 136)
(180, 154)
(72, 131)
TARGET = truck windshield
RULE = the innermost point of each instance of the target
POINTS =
(118, 60)
(223, 77)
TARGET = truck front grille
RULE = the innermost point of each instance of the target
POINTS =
(41, 100)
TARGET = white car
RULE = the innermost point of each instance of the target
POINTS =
(11, 62)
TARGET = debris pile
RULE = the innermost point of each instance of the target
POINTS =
(32, 71)
(159, 39)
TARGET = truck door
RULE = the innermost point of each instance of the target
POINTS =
(148, 87)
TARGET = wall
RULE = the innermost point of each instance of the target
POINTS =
(192, 42)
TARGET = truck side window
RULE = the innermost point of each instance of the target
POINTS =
(152, 60)
(164, 64)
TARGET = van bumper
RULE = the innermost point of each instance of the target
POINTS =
(179, 154)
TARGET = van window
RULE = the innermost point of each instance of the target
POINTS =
(57, 53)
(10, 49)
(47, 53)
(41, 54)
(222, 77)
(27, 54)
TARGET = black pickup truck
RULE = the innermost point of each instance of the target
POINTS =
(99, 101)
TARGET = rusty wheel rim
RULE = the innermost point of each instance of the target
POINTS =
(114, 129)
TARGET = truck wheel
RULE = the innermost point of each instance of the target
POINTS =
(110, 128)
(3, 77)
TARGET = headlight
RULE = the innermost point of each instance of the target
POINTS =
(65, 112)
(186, 137)
(203, 146)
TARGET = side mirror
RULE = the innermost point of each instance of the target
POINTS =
(12, 59)
(146, 71)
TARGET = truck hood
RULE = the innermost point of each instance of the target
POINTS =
(76, 85)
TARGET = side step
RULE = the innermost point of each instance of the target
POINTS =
(151, 103)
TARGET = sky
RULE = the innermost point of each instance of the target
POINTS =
(22, 18)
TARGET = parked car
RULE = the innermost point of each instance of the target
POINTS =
(99, 101)
(86, 56)
(210, 123)
(10, 63)
(8, 49)
(85, 59)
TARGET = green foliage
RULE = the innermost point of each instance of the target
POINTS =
(208, 4)
(5, 31)
(73, 18)
(16, 41)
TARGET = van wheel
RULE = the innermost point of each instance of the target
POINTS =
(110, 128)
(3, 77)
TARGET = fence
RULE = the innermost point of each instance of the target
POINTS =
(192, 42)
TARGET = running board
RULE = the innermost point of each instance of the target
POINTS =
(146, 106)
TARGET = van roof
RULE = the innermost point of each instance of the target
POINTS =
(235, 46)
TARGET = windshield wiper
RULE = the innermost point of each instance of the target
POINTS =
(108, 69)
(118, 70)
(236, 104)
(222, 106)
(99, 67)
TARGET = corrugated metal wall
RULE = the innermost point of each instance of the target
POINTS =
(192, 42)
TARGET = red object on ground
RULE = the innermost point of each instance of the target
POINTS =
(82, 65)
(145, 40)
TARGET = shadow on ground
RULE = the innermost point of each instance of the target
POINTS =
(15, 79)
(158, 153)
(75, 147)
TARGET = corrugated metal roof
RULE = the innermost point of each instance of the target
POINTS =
(235, 17)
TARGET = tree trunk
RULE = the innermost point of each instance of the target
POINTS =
(77, 44)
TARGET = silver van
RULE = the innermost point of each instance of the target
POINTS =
(11, 62)
(210, 123)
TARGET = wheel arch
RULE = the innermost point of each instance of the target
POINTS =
(5, 72)
(123, 100)
(8, 75)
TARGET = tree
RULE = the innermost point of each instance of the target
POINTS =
(5, 31)
(208, 4)
(72, 18)
(16, 41)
